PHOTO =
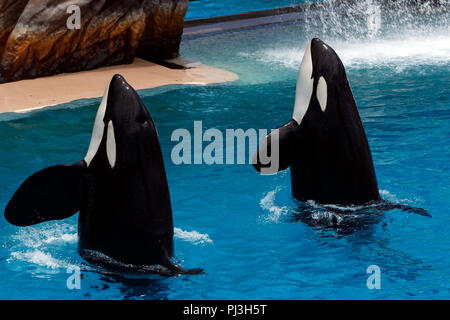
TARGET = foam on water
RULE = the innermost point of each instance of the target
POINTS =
(37, 236)
(32, 245)
(194, 237)
(327, 216)
(387, 195)
(40, 258)
(333, 214)
(66, 237)
(267, 203)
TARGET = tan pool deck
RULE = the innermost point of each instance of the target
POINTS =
(26, 95)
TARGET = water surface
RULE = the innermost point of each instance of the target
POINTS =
(240, 227)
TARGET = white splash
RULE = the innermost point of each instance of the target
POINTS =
(40, 258)
(387, 195)
(35, 237)
(373, 14)
(408, 50)
(398, 52)
(192, 236)
(327, 216)
(371, 33)
(31, 244)
(268, 203)
(346, 208)
(335, 214)
(66, 237)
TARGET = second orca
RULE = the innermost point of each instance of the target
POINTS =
(324, 144)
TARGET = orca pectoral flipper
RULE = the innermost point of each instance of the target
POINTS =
(386, 205)
(177, 270)
(415, 210)
(277, 151)
(50, 194)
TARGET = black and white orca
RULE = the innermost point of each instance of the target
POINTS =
(120, 188)
(325, 143)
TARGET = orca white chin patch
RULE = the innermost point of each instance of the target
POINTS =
(97, 132)
(111, 144)
(322, 93)
(304, 88)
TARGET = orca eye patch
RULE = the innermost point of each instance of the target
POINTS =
(322, 93)
(111, 145)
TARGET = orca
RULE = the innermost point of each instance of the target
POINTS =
(324, 143)
(120, 188)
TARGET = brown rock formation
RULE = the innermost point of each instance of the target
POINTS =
(35, 40)
(162, 35)
(10, 11)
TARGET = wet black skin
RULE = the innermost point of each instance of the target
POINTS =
(336, 165)
(125, 209)
(328, 152)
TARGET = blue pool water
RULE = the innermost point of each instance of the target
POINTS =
(238, 226)
(213, 8)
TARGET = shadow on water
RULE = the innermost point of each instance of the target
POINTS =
(342, 220)
(346, 220)
(358, 225)
(133, 286)
(134, 282)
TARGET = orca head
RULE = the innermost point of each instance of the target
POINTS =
(121, 125)
(321, 75)
(322, 91)
(325, 143)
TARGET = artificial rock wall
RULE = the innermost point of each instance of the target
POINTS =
(35, 39)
